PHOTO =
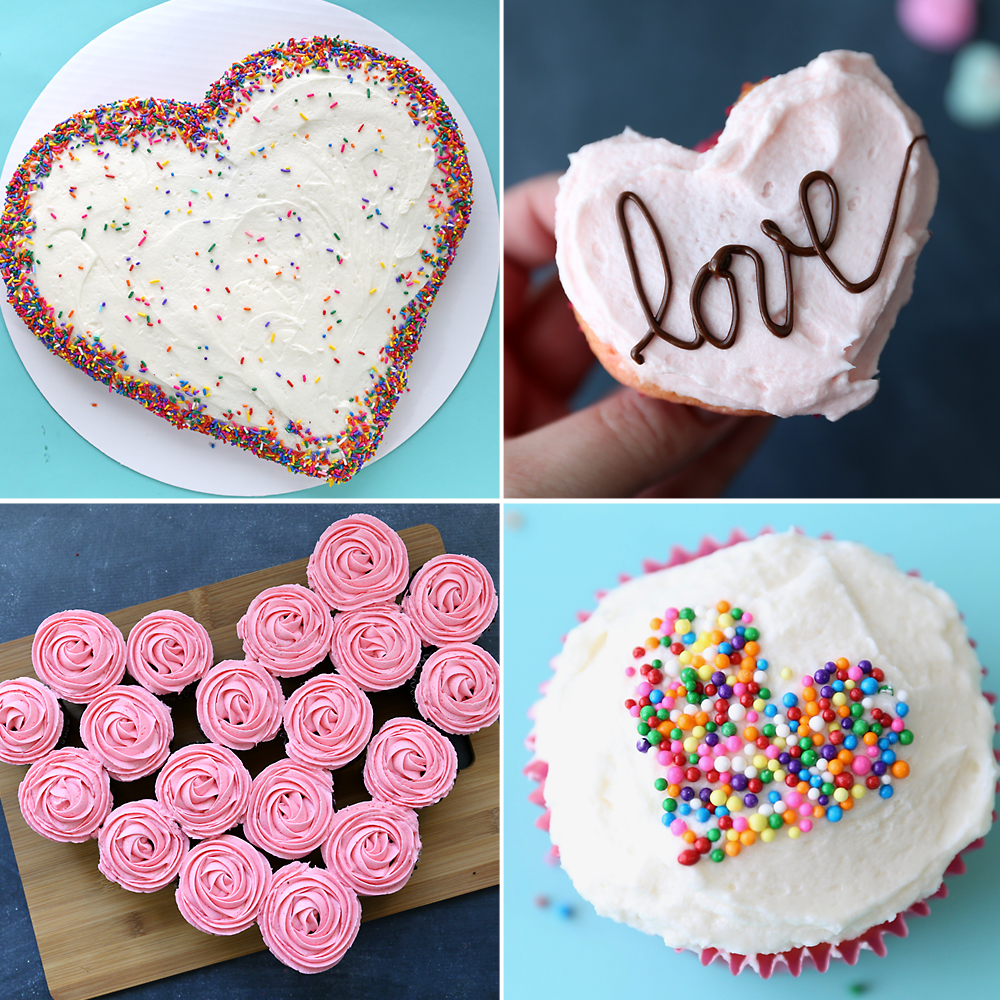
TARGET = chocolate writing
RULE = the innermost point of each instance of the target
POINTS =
(718, 266)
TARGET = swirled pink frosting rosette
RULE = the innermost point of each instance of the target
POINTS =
(286, 629)
(459, 688)
(31, 720)
(358, 560)
(65, 796)
(451, 599)
(290, 809)
(78, 654)
(376, 646)
(309, 918)
(205, 789)
(168, 650)
(373, 847)
(410, 764)
(222, 884)
(129, 730)
(328, 721)
(142, 848)
(239, 704)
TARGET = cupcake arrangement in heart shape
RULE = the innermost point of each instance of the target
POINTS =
(257, 267)
(220, 835)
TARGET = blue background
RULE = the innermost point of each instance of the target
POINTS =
(555, 557)
(453, 455)
(580, 70)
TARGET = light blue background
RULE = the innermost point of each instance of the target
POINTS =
(455, 454)
(555, 557)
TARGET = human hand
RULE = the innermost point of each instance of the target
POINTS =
(626, 444)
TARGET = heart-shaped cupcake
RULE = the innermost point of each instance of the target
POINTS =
(818, 180)
(257, 267)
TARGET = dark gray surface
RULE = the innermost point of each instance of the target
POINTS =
(580, 70)
(105, 557)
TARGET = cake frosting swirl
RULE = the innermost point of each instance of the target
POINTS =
(451, 599)
(287, 629)
(221, 886)
(290, 808)
(65, 796)
(78, 654)
(309, 918)
(459, 688)
(167, 650)
(239, 704)
(31, 720)
(204, 788)
(141, 847)
(376, 646)
(410, 764)
(358, 560)
(329, 721)
(129, 730)
(373, 847)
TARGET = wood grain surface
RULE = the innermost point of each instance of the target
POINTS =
(95, 937)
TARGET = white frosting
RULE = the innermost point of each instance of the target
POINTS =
(813, 601)
(293, 226)
(839, 114)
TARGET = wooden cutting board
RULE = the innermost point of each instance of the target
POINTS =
(95, 937)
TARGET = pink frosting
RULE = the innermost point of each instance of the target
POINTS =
(142, 848)
(78, 654)
(223, 881)
(239, 704)
(376, 646)
(31, 720)
(290, 810)
(309, 918)
(451, 599)
(65, 796)
(328, 721)
(167, 650)
(204, 788)
(459, 688)
(129, 730)
(287, 629)
(373, 847)
(357, 561)
(410, 764)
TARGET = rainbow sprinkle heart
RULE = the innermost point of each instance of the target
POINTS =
(704, 706)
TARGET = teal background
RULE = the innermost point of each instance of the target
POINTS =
(455, 454)
(555, 557)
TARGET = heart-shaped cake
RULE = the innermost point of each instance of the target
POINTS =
(257, 267)
(765, 274)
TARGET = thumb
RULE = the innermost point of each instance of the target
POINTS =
(615, 448)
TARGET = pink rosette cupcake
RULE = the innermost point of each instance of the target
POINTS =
(286, 629)
(142, 848)
(78, 654)
(65, 796)
(410, 764)
(290, 810)
(129, 730)
(222, 884)
(358, 560)
(309, 918)
(167, 650)
(31, 720)
(328, 721)
(204, 788)
(373, 847)
(376, 646)
(239, 704)
(459, 688)
(451, 599)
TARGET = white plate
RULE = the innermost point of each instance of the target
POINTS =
(176, 50)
